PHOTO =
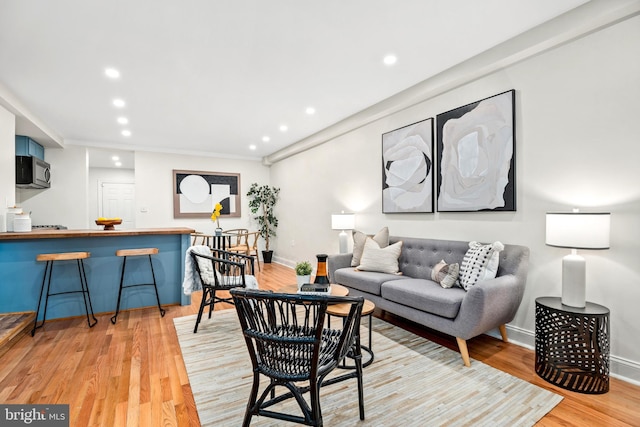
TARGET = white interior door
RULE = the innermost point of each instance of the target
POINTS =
(118, 200)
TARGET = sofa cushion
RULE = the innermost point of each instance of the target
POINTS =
(383, 260)
(480, 263)
(359, 239)
(424, 295)
(365, 281)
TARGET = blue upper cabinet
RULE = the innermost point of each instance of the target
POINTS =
(26, 146)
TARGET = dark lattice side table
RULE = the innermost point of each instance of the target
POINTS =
(572, 345)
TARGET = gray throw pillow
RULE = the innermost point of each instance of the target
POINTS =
(445, 274)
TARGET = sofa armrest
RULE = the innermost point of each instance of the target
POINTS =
(337, 261)
(489, 304)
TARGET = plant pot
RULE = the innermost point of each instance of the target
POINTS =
(266, 256)
(301, 280)
(218, 231)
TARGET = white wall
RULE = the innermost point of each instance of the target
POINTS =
(66, 201)
(576, 146)
(7, 163)
(154, 188)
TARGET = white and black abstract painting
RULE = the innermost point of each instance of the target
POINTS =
(476, 156)
(195, 193)
(407, 168)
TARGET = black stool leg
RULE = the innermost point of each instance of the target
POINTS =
(85, 290)
(155, 286)
(48, 267)
(114, 318)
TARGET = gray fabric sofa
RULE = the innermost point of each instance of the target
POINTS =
(413, 295)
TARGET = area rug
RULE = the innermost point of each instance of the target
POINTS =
(412, 382)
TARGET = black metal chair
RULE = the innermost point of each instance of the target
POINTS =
(289, 343)
(222, 271)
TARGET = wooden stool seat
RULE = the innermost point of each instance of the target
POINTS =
(124, 253)
(137, 252)
(48, 271)
(65, 256)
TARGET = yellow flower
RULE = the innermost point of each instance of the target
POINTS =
(216, 213)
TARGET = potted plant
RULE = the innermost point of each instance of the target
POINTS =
(303, 273)
(262, 199)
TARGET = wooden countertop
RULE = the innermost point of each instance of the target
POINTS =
(63, 234)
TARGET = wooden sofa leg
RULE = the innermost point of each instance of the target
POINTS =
(503, 333)
(464, 352)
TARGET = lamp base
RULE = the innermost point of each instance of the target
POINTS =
(573, 281)
(343, 242)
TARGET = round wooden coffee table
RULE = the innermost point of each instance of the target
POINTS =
(342, 310)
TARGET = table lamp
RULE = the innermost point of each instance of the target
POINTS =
(343, 221)
(576, 230)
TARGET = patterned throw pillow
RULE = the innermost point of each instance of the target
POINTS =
(382, 260)
(445, 274)
(479, 263)
(359, 238)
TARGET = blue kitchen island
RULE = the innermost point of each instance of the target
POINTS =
(21, 275)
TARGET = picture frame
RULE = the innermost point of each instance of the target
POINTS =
(407, 168)
(476, 156)
(195, 194)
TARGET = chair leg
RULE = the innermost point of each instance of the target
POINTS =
(155, 286)
(48, 267)
(114, 318)
(213, 302)
(316, 410)
(85, 294)
(205, 292)
(248, 413)
(358, 364)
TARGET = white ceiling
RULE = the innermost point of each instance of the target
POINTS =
(213, 77)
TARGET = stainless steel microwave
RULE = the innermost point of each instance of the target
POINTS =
(31, 172)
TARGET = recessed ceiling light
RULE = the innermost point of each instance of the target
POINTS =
(115, 158)
(119, 102)
(118, 164)
(252, 147)
(310, 110)
(126, 132)
(266, 139)
(123, 120)
(284, 128)
(390, 59)
(112, 73)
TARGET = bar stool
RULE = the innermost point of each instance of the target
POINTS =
(136, 252)
(48, 270)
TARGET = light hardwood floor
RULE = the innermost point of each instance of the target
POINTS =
(132, 373)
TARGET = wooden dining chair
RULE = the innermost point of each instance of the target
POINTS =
(252, 241)
(289, 344)
(238, 240)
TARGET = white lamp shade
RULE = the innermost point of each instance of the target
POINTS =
(343, 221)
(578, 230)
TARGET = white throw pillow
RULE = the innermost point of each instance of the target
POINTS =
(383, 260)
(479, 263)
(445, 274)
(359, 239)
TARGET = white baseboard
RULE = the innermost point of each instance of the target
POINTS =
(620, 368)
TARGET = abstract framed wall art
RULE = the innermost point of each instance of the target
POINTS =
(196, 193)
(476, 156)
(407, 168)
